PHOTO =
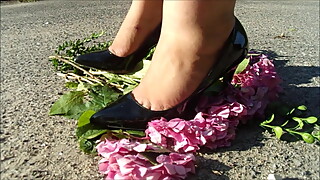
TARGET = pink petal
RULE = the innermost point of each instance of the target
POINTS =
(103, 168)
(170, 168)
(180, 170)
(172, 123)
(123, 161)
(143, 171)
(140, 148)
(180, 125)
(153, 176)
(190, 149)
(111, 175)
(122, 177)
(126, 171)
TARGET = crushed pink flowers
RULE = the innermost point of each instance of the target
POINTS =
(214, 126)
(122, 160)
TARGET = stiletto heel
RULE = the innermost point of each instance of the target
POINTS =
(127, 113)
(105, 60)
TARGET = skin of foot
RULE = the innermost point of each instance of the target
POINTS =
(193, 32)
(143, 17)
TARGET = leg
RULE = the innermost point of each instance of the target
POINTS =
(142, 18)
(193, 32)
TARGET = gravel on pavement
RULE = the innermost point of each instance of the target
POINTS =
(37, 146)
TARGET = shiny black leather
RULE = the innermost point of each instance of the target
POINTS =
(105, 60)
(127, 113)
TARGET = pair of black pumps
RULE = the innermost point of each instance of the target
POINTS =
(127, 113)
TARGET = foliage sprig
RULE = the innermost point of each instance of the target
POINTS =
(292, 121)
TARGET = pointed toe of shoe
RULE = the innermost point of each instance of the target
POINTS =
(80, 60)
(93, 60)
(103, 60)
(104, 119)
(85, 60)
(106, 60)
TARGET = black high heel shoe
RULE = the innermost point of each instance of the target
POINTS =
(127, 113)
(105, 60)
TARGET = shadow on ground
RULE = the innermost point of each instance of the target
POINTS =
(210, 169)
(296, 82)
(250, 135)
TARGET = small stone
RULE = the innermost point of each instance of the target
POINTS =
(274, 177)
(297, 163)
(253, 173)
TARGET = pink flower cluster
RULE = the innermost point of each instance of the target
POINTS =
(122, 160)
(212, 130)
(259, 84)
(214, 126)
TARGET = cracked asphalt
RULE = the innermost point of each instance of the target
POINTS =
(37, 146)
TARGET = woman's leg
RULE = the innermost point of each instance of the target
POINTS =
(193, 32)
(141, 20)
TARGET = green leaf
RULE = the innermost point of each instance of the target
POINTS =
(101, 97)
(82, 87)
(285, 123)
(278, 131)
(96, 99)
(128, 89)
(271, 118)
(136, 133)
(291, 112)
(116, 131)
(75, 111)
(242, 66)
(89, 131)
(67, 102)
(88, 146)
(119, 135)
(308, 138)
(85, 118)
(71, 85)
(300, 122)
(302, 108)
(108, 95)
(316, 134)
(310, 120)
(150, 54)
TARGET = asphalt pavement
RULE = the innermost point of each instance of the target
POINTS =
(35, 145)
